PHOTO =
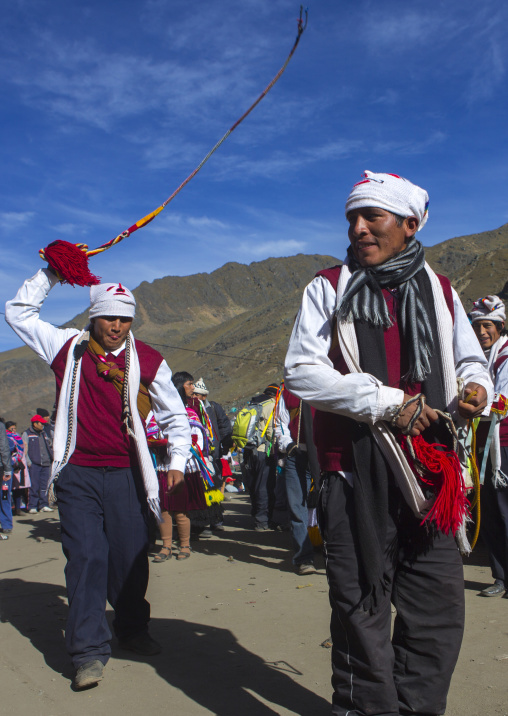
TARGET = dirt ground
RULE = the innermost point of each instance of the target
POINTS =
(241, 633)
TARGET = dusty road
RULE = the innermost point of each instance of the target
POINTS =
(241, 634)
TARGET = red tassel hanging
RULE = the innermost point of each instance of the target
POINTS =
(70, 263)
(441, 470)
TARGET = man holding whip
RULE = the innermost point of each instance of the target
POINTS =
(106, 382)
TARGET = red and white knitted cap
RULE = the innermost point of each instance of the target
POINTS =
(111, 299)
(489, 308)
(392, 193)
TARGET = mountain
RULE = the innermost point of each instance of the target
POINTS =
(232, 326)
(240, 316)
(476, 264)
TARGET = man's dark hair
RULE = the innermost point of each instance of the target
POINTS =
(42, 412)
(9, 424)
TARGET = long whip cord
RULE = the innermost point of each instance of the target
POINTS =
(302, 24)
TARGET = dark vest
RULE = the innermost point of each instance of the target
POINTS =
(332, 432)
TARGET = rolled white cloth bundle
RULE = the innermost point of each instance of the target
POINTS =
(392, 193)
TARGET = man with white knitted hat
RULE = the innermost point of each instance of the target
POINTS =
(488, 317)
(377, 347)
(106, 384)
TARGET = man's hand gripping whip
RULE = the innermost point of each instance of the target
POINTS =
(70, 261)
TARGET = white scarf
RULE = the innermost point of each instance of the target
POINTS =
(65, 426)
(406, 480)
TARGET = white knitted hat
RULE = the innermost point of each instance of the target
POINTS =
(111, 299)
(490, 308)
(200, 387)
(392, 193)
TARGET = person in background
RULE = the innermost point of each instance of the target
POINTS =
(189, 500)
(49, 426)
(40, 457)
(20, 477)
(293, 431)
(488, 318)
(221, 431)
(6, 483)
(261, 463)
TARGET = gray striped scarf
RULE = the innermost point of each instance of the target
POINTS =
(363, 301)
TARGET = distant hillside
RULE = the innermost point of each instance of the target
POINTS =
(476, 264)
(242, 312)
(234, 323)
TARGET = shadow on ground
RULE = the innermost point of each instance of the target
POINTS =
(41, 528)
(206, 663)
(269, 548)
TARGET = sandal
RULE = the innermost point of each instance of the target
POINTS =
(163, 556)
(184, 555)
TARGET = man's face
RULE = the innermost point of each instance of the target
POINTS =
(110, 332)
(188, 386)
(487, 333)
(37, 426)
(11, 429)
(375, 236)
(200, 396)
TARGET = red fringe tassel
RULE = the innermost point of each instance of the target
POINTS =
(71, 263)
(443, 472)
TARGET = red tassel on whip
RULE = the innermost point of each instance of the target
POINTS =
(440, 468)
(70, 262)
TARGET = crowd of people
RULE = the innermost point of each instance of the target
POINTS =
(26, 461)
(383, 364)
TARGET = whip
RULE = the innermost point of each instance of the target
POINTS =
(70, 261)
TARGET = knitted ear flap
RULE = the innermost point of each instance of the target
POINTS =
(70, 262)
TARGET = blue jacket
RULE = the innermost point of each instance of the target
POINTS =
(34, 448)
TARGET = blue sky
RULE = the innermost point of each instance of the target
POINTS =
(108, 105)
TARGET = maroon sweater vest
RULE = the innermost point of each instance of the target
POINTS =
(332, 432)
(296, 429)
(101, 440)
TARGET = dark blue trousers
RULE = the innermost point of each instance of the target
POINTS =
(103, 517)
(38, 490)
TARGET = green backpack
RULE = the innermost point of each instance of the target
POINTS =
(246, 432)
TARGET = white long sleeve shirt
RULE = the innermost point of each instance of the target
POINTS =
(22, 314)
(309, 372)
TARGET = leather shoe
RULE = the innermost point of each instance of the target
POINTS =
(88, 674)
(495, 590)
(141, 643)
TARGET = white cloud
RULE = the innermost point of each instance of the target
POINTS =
(489, 73)
(13, 220)
(272, 248)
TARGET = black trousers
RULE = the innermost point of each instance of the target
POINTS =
(494, 522)
(411, 673)
(103, 515)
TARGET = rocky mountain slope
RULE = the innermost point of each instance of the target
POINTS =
(232, 326)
